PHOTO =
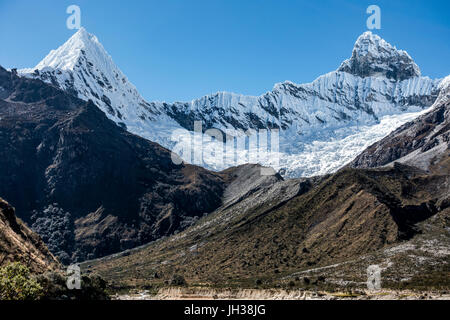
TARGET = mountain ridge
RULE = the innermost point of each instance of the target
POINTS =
(329, 108)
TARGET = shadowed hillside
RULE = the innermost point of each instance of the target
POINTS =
(86, 185)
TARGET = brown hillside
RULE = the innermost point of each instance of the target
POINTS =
(19, 243)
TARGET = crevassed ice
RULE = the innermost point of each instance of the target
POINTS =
(313, 157)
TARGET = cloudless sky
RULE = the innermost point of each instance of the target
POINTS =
(177, 50)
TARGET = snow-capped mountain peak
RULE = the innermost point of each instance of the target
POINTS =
(323, 124)
(82, 67)
(373, 43)
(67, 56)
(372, 56)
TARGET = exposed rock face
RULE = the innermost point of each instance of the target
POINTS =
(110, 189)
(19, 243)
(420, 143)
(372, 56)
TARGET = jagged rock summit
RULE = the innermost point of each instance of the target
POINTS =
(373, 56)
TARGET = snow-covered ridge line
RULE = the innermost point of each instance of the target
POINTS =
(378, 81)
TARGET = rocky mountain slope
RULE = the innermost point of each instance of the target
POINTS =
(19, 243)
(370, 94)
(274, 232)
(88, 186)
(288, 226)
(421, 142)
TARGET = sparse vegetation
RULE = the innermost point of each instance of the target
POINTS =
(177, 280)
(54, 287)
(56, 228)
(17, 283)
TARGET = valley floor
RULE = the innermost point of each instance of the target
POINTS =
(413, 270)
(279, 294)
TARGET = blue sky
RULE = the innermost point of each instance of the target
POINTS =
(177, 50)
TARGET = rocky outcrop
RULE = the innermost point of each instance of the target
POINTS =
(19, 244)
(373, 56)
